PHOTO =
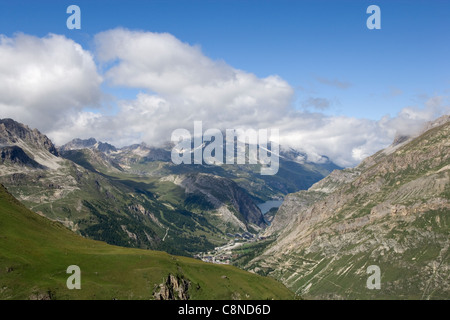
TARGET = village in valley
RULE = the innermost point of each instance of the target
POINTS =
(226, 254)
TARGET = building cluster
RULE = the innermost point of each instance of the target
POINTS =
(225, 254)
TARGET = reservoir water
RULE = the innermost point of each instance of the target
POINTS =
(266, 206)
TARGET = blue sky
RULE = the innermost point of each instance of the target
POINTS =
(335, 65)
(301, 41)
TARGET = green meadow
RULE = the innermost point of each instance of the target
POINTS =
(35, 253)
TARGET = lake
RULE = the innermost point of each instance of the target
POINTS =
(266, 206)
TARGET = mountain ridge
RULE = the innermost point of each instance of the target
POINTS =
(125, 196)
(10, 129)
(391, 211)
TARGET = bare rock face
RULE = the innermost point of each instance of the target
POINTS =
(393, 210)
(12, 131)
(224, 190)
(173, 288)
(232, 202)
(302, 200)
(15, 155)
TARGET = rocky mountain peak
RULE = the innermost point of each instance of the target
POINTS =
(91, 143)
(12, 132)
(78, 143)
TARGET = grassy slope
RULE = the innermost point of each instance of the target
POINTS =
(35, 253)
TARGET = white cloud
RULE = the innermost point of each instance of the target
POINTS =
(42, 80)
(183, 85)
(47, 83)
(345, 140)
(411, 119)
(348, 140)
(187, 79)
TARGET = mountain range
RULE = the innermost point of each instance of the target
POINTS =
(135, 196)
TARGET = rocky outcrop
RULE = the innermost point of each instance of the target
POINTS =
(48, 295)
(23, 146)
(11, 132)
(172, 288)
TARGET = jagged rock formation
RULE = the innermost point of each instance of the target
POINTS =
(392, 210)
(12, 133)
(172, 288)
(91, 143)
(23, 147)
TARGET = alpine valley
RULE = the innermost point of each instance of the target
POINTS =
(136, 197)
(390, 211)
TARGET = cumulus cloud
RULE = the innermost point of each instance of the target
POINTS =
(345, 140)
(42, 80)
(48, 82)
(161, 63)
(348, 140)
(182, 85)
(411, 119)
